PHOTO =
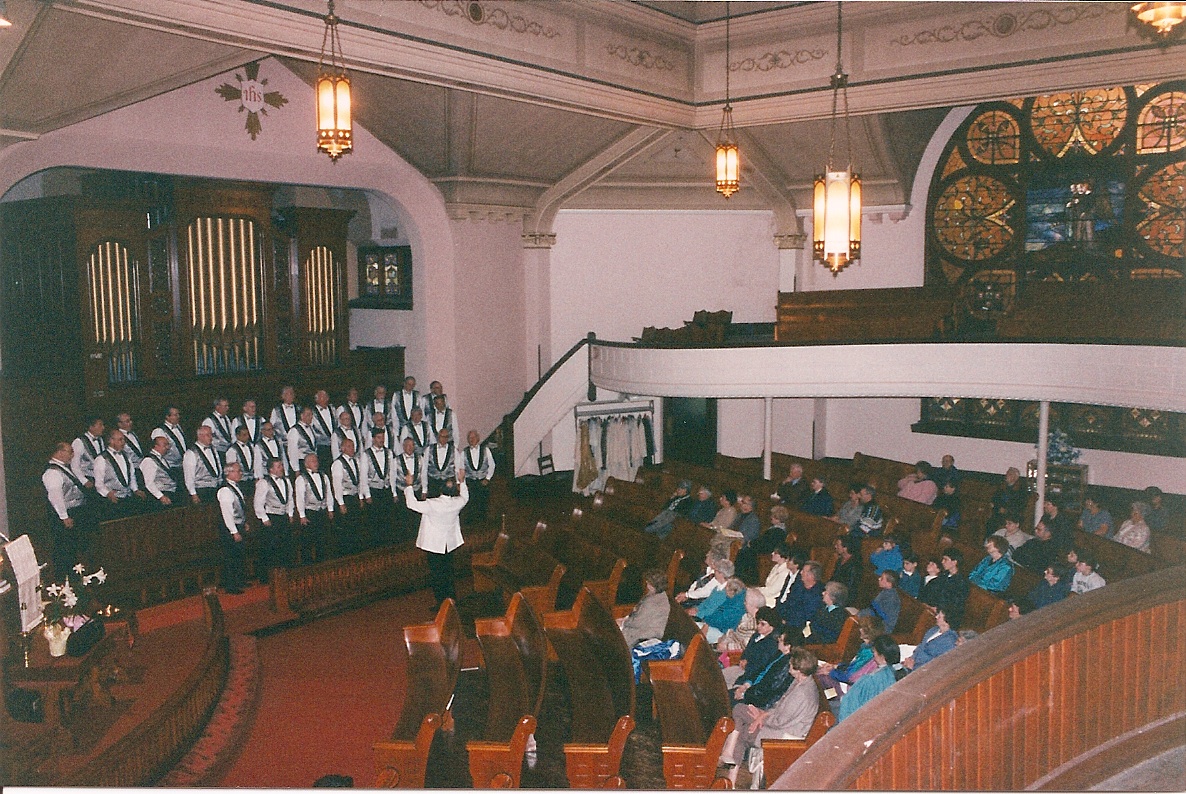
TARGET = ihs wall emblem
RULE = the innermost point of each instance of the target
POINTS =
(253, 100)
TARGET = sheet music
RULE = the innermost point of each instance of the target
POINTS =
(28, 579)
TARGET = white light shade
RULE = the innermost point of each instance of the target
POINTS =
(728, 167)
(836, 232)
(334, 136)
(1162, 17)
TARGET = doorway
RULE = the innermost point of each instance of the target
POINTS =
(690, 430)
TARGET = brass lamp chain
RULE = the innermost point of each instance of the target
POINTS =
(727, 19)
(330, 36)
(839, 84)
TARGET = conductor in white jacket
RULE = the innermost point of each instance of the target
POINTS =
(440, 532)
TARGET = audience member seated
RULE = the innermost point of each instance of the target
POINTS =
(804, 597)
(723, 609)
(918, 485)
(949, 500)
(648, 619)
(793, 490)
(939, 640)
(872, 521)
(818, 501)
(885, 656)
(766, 543)
(911, 580)
(887, 604)
(703, 587)
(1042, 551)
(1086, 578)
(1054, 587)
(951, 586)
(727, 513)
(737, 639)
(849, 513)
(947, 472)
(759, 651)
(1012, 533)
(767, 685)
(1134, 532)
(1008, 500)
(790, 717)
(786, 566)
(829, 619)
(995, 571)
(678, 505)
(1095, 519)
(1055, 518)
(703, 508)
(888, 557)
(849, 565)
(747, 524)
(932, 582)
(1157, 516)
(869, 628)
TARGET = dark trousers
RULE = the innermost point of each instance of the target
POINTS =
(440, 576)
(207, 496)
(128, 506)
(347, 532)
(234, 565)
(71, 545)
(313, 537)
(478, 506)
(276, 547)
(381, 518)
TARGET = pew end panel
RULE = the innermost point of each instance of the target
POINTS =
(542, 598)
(687, 767)
(402, 763)
(845, 645)
(590, 765)
(500, 764)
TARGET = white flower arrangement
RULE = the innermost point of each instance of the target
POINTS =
(67, 606)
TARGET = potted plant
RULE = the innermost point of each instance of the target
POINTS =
(68, 609)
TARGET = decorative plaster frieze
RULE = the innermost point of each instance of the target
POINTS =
(479, 13)
(637, 57)
(1009, 23)
(484, 212)
(783, 59)
(790, 242)
(539, 240)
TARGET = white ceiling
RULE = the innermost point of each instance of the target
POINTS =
(501, 100)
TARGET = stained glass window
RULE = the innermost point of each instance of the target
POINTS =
(384, 277)
(1077, 185)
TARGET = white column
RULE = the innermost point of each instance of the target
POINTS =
(819, 429)
(768, 443)
(1043, 443)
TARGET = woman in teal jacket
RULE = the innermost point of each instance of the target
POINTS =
(995, 572)
(722, 610)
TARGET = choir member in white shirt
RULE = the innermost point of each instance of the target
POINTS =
(233, 511)
(479, 470)
(251, 420)
(73, 522)
(155, 474)
(408, 461)
(202, 468)
(286, 414)
(301, 441)
(275, 505)
(357, 411)
(435, 389)
(407, 400)
(135, 449)
(270, 447)
(323, 427)
(219, 422)
(345, 429)
(347, 484)
(440, 416)
(379, 488)
(417, 430)
(87, 447)
(440, 464)
(244, 453)
(379, 405)
(171, 429)
(115, 478)
(391, 434)
(315, 510)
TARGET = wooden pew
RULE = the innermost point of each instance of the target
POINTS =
(640, 550)
(1116, 561)
(845, 646)
(515, 655)
(914, 621)
(587, 564)
(518, 566)
(600, 678)
(779, 754)
(434, 660)
(694, 714)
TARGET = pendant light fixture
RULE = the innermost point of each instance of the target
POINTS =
(1162, 17)
(334, 136)
(836, 238)
(728, 156)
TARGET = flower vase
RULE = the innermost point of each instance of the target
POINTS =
(57, 635)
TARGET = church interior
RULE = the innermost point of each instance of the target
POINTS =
(920, 264)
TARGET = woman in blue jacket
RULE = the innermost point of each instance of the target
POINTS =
(994, 572)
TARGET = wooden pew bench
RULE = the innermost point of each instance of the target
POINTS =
(434, 660)
(515, 656)
(587, 564)
(914, 621)
(1116, 561)
(600, 677)
(845, 646)
(640, 550)
(518, 566)
(694, 711)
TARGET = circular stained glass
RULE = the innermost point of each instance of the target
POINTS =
(1162, 125)
(994, 137)
(1079, 121)
(971, 218)
(1162, 197)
